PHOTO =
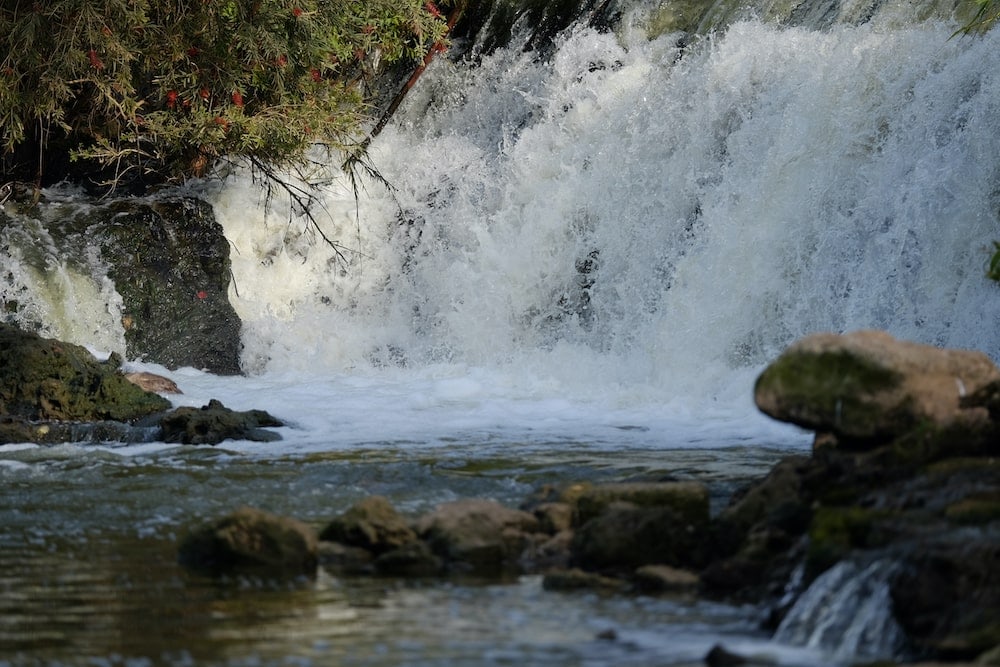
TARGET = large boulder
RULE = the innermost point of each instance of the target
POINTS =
(866, 386)
(169, 260)
(44, 379)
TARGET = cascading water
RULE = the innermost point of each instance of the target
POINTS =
(646, 223)
(847, 612)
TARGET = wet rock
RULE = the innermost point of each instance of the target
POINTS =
(251, 541)
(947, 597)
(688, 499)
(554, 517)
(865, 386)
(44, 379)
(153, 383)
(576, 579)
(345, 559)
(719, 656)
(372, 524)
(17, 429)
(169, 260)
(665, 579)
(478, 534)
(413, 559)
(213, 423)
(625, 537)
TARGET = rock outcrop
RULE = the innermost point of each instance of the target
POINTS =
(167, 258)
(905, 469)
(42, 379)
(52, 391)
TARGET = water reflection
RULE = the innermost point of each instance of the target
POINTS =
(88, 572)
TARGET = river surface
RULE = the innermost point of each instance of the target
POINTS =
(89, 538)
(586, 256)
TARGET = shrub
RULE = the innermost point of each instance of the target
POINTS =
(159, 90)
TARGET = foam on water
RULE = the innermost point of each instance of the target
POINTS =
(634, 231)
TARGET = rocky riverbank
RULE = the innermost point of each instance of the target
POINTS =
(52, 391)
(903, 483)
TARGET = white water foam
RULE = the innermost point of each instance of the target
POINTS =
(761, 185)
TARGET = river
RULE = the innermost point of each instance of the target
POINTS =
(586, 256)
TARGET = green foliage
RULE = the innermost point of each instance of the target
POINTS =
(987, 13)
(168, 87)
(993, 272)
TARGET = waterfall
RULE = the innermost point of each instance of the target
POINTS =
(629, 212)
(635, 216)
(847, 612)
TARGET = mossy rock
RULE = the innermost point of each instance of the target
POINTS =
(866, 388)
(975, 509)
(830, 389)
(688, 499)
(836, 531)
(43, 379)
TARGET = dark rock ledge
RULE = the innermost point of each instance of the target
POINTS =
(53, 392)
(904, 469)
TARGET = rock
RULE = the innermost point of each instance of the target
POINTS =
(413, 559)
(372, 524)
(665, 579)
(719, 656)
(213, 423)
(576, 579)
(169, 260)
(345, 559)
(479, 534)
(688, 499)
(866, 386)
(947, 597)
(251, 541)
(625, 537)
(776, 498)
(554, 517)
(153, 383)
(45, 379)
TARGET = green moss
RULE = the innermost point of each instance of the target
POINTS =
(829, 388)
(976, 509)
(835, 531)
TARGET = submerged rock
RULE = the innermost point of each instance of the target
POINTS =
(251, 541)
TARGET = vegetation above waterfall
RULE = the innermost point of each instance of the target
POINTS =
(146, 91)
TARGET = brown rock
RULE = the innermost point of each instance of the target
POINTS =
(479, 533)
(688, 499)
(665, 579)
(153, 382)
(372, 524)
(867, 385)
(252, 541)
